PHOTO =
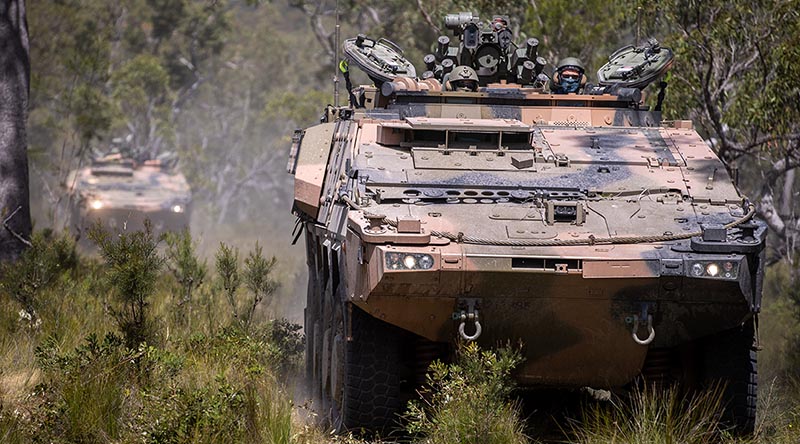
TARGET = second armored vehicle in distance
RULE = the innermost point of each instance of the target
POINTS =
(471, 203)
(122, 193)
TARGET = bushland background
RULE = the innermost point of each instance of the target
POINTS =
(222, 83)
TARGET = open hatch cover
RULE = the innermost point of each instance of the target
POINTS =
(636, 67)
(381, 60)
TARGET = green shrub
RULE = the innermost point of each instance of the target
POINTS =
(85, 391)
(12, 428)
(227, 261)
(184, 264)
(196, 415)
(218, 388)
(256, 276)
(38, 268)
(285, 336)
(468, 401)
(132, 269)
(258, 279)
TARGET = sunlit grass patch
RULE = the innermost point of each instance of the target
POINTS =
(778, 413)
(653, 416)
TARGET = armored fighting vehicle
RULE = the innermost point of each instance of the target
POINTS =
(122, 193)
(471, 203)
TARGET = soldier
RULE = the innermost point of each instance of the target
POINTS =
(569, 76)
(463, 78)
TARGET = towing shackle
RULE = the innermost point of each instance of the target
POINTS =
(472, 316)
(651, 332)
(467, 311)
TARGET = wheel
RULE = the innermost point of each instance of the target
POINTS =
(312, 327)
(369, 376)
(730, 359)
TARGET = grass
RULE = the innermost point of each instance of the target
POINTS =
(669, 415)
(75, 377)
(204, 376)
(652, 416)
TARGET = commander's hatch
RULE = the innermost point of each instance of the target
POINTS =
(636, 67)
(381, 60)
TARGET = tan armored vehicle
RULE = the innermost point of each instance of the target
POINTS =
(121, 193)
(474, 203)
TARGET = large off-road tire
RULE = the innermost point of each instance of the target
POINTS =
(730, 359)
(312, 325)
(375, 375)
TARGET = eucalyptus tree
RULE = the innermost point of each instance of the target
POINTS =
(14, 92)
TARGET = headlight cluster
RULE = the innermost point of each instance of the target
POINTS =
(408, 261)
(96, 204)
(177, 208)
(715, 269)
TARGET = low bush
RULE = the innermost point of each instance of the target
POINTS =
(133, 265)
(469, 401)
(49, 257)
(84, 391)
(186, 267)
(257, 277)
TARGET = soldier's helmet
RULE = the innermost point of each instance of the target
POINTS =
(463, 78)
(569, 76)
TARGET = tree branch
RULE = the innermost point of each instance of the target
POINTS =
(427, 17)
(14, 233)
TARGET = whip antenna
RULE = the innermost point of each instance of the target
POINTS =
(638, 23)
(336, 60)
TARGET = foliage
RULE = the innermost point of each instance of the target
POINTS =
(653, 416)
(133, 265)
(184, 264)
(468, 401)
(227, 260)
(199, 383)
(286, 337)
(258, 279)
(779, 413)
(142, 96)
(85, 391)
(104, 391)
(49, 257)
(779, 325)
(590, 30)
(256, 276)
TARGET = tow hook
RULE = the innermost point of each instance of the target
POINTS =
(646, 319)
(468, 312)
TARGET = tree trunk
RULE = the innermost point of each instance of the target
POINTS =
(14, 91)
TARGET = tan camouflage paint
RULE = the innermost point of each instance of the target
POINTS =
(572, 315)
(127, 194)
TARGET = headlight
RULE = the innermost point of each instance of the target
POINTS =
(408, 261)
(177, 209)
(718, 269)
(96, 204)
